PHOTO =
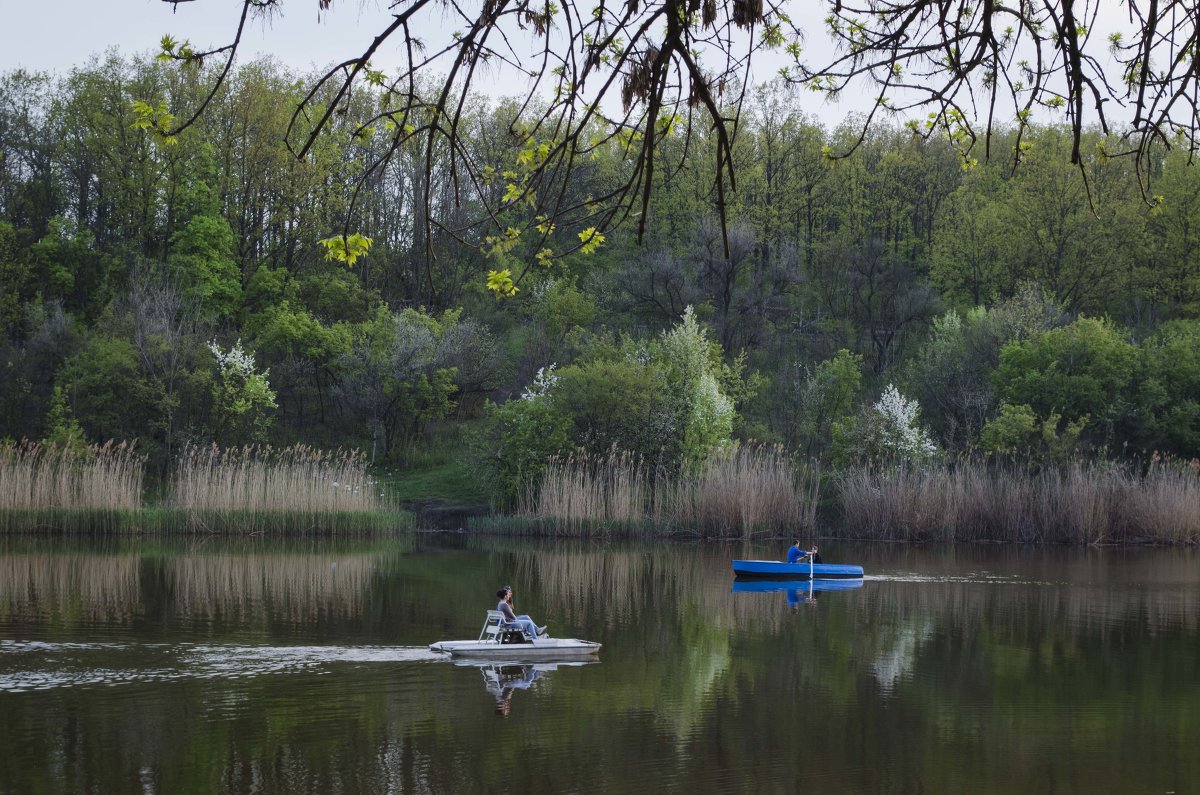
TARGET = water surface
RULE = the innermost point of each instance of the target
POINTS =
(268, 666)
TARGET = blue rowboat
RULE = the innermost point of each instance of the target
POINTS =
(768, 586)
(795, 571)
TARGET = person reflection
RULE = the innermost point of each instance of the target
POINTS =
(801, 596)
(502, 680)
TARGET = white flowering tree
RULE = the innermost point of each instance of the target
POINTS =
(888, 431)
(243, 400)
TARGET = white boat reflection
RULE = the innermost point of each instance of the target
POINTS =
(503, 679)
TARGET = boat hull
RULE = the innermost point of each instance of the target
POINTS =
(540, 649)
(796, 571)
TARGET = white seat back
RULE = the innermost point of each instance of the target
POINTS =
(492, 627)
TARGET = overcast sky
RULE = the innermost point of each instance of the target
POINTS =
(56, 35)
(69, 32)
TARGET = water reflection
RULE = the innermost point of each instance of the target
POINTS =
(233, 583)
(88, 586)
(166, 667)
(797, 592)
(501, 680)
(294, 586)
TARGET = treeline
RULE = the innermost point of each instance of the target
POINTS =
(898, 304)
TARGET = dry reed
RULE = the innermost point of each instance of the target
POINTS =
(1081, 504)
(733, 493)
(60, 487)
(258, 488)
(585, 494)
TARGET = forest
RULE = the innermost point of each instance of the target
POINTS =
(894, 313)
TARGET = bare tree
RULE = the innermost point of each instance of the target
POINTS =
(658, 285)
(165, 321)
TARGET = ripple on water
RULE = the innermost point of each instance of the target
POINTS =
(40, 665)
(984, 577)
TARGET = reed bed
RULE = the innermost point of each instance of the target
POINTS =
(44, 486)
(1080, 504)
(587, 495)
(261, 488)
(737, 492)
(733, 493)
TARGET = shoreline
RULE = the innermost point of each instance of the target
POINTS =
(85, 523)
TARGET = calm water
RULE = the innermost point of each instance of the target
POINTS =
(218, 666)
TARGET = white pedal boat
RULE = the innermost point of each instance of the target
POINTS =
(499, 642)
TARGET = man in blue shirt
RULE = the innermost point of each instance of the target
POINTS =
(796, 554)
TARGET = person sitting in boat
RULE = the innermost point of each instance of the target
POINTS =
(797, 555)
(505, 606)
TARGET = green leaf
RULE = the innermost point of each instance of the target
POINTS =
(346, 248)
(501, 283)
(592, 240)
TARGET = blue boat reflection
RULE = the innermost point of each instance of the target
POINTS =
(798, 591)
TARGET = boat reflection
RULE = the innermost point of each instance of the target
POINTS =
(503, 679)
(798, 592)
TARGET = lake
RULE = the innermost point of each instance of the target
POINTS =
(216, 665)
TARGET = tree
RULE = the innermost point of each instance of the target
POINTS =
(1171, 270)
(202, 253)
(243, 401)
(523, 434)
(888, 431)
(679, 67)
(866, 284)
(398, 374)
(667, 400)
(163, 321)
(106, 389)
(1168, 394)
(823, 394)
(1079, 372)
(16, 280)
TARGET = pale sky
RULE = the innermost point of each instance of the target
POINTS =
(69, 32)
(56, 35)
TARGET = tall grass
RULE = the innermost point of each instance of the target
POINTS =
(41, 485)
(584, 494)
(1080, 504)
(736, 492)
(733, 493)
(261, 488)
